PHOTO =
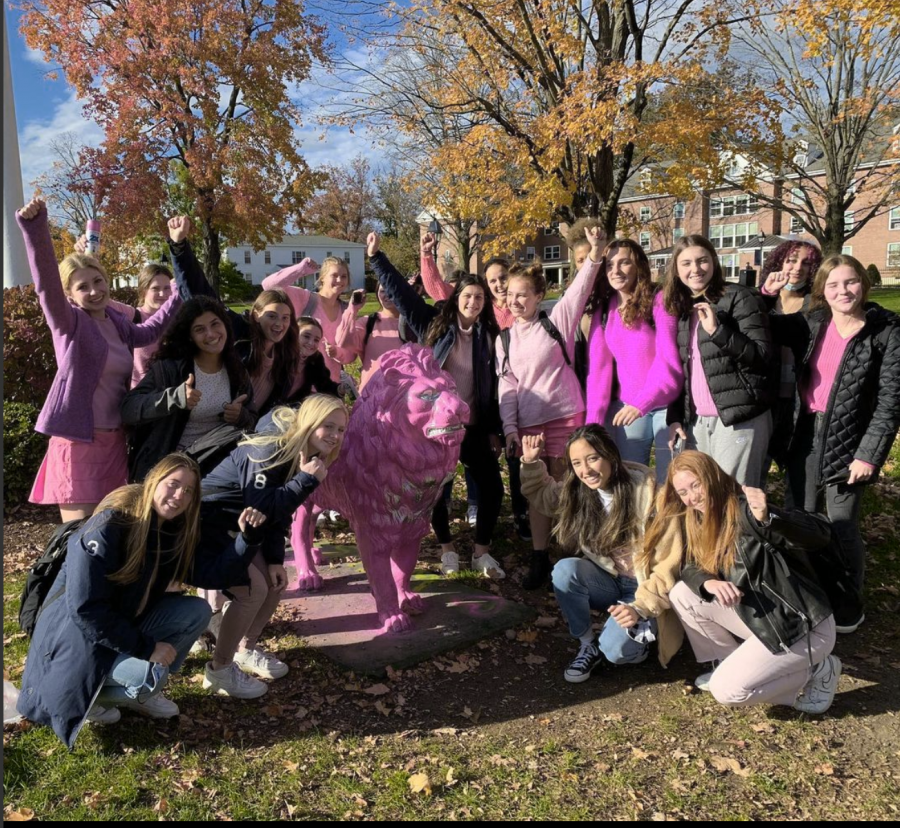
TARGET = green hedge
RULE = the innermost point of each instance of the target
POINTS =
(23, 450)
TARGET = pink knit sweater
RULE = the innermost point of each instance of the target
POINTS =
(823, 367)
(537, 386)
(351, 339)
(645, 362)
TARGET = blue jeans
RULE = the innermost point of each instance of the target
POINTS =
(580, 586)
(634, 441)
(176, 619)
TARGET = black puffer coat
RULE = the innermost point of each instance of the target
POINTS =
(737, 360)
(782, 600)
(863, 413)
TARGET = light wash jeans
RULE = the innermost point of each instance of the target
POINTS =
(635, 441)
(176, 619)
(580, 586)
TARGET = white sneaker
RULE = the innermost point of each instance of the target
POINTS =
(103, 715)
(449, 563)
(819, 692)
(486, 565)
(258, 663)
(157, 707)
(234, 682)
(702, 682)
(472, 514)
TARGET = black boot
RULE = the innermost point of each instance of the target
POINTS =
(538, 570)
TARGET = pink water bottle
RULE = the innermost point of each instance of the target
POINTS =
(93, 236)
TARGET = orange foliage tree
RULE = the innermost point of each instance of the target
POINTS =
(202, 84)
(560, 101)
(831, 72)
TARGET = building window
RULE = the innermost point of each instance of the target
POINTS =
(849, 222)
(742, 205)
(297, 256)
(734, 168)
(551, 253)
(529, 254)
(678, 211)
(893, 256)
(347, 256)
(725, 236)
(729, 264)
(448, 256)
(677, 234)
(847, 250)
(552, 230)
(267, 256)
(796, 225)
(246, 257)
(894, 219)
(329, 254)
(645, 241)
(645, 214)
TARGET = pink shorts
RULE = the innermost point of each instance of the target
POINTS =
(74, 472)
(556, 433)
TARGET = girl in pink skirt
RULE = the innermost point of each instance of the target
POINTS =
(94, 347)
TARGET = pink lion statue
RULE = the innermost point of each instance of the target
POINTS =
(401, 447)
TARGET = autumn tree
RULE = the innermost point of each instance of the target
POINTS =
(345, 205)
(204, 83)
(559, 101)
(68, 186)
(831, 70)
(398, 205)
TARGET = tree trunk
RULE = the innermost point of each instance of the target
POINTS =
(832, 238)
(212, 254)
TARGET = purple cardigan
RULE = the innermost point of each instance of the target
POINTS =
(79, 345)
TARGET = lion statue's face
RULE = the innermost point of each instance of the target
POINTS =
(416, 390)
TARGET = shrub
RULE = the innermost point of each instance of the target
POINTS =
(233, 287)
(23, 450)
(874, 275)
(29, 363)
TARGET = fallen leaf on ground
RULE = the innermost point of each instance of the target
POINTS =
(825, 770)
(25, 815)
(377, 690)
(724, 764)
(545, 622)
(535, 660)
(765, 727)
(420, 783)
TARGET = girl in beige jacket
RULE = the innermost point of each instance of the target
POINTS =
(601, 509)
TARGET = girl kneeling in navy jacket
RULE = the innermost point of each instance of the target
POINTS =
(109, 632)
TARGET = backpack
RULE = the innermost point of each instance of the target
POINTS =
(43, 573)
(403, 330)
(549, 327)
(836, 580)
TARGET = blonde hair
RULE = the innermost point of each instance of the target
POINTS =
(293, 431)
(79, 261)
(135, 505)
(330, 262)
(817, 295)
(711, 536)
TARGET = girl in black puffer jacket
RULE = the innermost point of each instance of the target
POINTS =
(749, 598)
(726, 351)
(847, 353)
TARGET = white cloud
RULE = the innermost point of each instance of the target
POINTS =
(36, 135)
(35, 56)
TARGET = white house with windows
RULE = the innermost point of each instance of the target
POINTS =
(291, 250)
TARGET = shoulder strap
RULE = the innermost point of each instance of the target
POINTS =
(370, 326)
(550, 328)
(136, 319)
(312, 304)
(504, 338)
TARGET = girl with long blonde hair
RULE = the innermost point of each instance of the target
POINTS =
(274, 471)
(749, 598)
(110, 632)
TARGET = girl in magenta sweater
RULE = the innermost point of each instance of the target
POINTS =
(539, 391)
(634, 369)
(94, 347)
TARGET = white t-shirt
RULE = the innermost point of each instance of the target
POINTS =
(215, 390)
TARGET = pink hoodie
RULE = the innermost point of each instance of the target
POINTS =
(351, 340)
(441, 291)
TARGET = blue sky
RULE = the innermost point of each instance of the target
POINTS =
(46, 108)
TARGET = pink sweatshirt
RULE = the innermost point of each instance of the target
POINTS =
(823, 369)
(284, 280)
(351, 340)
(141, 355)
(440, 291)
(537, 386)
(645, 361)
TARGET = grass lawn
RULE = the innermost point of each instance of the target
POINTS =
(489, 732)
(887, 297)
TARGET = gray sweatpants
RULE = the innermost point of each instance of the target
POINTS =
(741, 450)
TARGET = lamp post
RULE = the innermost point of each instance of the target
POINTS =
(761, 242)
(437, 231)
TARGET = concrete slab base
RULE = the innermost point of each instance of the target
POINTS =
(341, 619)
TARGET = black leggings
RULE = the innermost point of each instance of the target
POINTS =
(478, 457)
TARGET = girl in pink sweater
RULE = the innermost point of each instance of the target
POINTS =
(539, 391)
(369, 339)
(325, 305)
(634, 369)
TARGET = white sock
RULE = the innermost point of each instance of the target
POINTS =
(587, 638)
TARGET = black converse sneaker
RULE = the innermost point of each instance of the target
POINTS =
(581, 668)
